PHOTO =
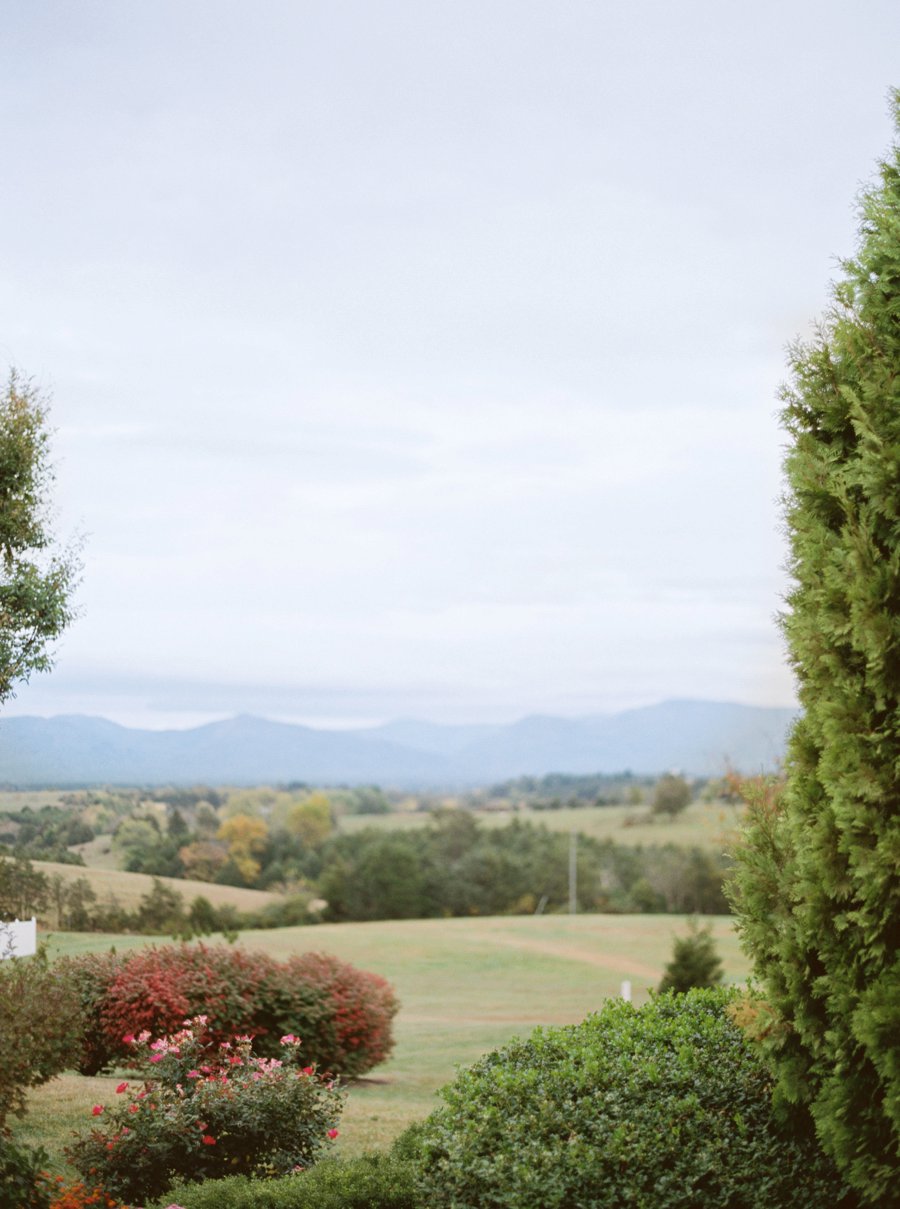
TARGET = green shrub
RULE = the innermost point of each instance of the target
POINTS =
(659, 1107)
(22, 1185)
(40, 1026)
(372, 1181)
(204, 1114)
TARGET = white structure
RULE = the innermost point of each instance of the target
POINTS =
(19, 938)
(626, 990)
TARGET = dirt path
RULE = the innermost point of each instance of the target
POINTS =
(569, 952)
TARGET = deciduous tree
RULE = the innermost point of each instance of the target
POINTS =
(36, 578)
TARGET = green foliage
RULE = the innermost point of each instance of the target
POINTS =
(659, 1107)
(35, 585)
(817, 885)
(22, 1185)
(694, 963)
(40, 1025)
(671, 795)
(371, 1181)
(204, 1113)
(24, 890)
(456, 867)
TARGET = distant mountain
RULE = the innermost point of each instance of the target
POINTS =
(697, 737)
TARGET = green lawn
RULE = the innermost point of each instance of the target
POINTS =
(465, 986)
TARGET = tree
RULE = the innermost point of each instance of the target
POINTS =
(816, 884)
(24, 890)
(695, 962)
(35, 583)
(671, 796)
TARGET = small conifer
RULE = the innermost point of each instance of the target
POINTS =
(695, 962)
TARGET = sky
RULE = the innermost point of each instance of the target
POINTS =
(422, 358)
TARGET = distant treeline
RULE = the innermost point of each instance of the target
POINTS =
(558, 789)
(454, 866)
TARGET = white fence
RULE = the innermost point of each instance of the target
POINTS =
(19, 938)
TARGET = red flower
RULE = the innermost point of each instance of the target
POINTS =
(207, 1140)
(96, 1110)
(333, 1133)
(122, 1087)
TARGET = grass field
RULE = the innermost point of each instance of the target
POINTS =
(465, 986)
(14, 800)
(128, 888)
(705, 824)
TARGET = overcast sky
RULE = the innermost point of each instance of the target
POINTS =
(420, 358)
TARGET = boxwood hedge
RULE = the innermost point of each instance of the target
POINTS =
(662, 1106)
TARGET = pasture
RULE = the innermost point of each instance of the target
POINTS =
(465, 986)
(127, 889)
(711, 825)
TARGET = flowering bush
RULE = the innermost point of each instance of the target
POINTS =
(80, 1196)
(207, 1111)
(343, 1014)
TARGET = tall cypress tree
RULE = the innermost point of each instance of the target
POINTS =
(817, 884)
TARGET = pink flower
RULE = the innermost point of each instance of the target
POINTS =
(157, 1057)
(193, 1074)
(122, 1087)
(96, 1110)
(333, 1133)
(128, 1038)
(288, 1039)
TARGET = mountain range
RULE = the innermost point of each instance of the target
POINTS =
(699, 738)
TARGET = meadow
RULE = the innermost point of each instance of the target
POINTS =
(465, 986)
(710, 825)
(127, 889)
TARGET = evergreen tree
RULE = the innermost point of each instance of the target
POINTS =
(695, 962)
(817, 884)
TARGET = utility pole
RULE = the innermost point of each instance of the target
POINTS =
(573, 872)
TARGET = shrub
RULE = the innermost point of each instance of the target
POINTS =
(342, 1014)
(207, 1113)
(371, 1181)
(90, 975)
(695, 962)
(658, 1107)
(355, 1033)
(40, 1026)
(22, 1185)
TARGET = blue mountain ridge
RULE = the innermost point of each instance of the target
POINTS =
(700, 738)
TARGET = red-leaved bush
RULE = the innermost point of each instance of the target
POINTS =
(361, 1009)
(342, 1015)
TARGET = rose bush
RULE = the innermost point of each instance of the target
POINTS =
(207, 1111)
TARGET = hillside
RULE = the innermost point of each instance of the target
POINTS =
(128, 888)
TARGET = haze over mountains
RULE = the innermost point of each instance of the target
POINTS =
(696, 737)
